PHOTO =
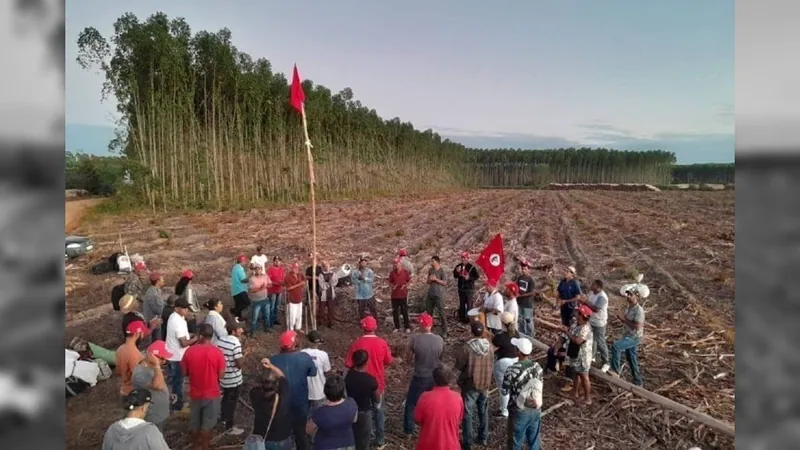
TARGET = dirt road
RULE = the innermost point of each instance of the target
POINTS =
(75, 210)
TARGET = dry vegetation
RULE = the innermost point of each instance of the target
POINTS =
(682, 241)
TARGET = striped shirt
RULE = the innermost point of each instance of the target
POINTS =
(232, 350)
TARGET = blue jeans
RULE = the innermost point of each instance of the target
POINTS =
(261, 308)
(415, 389)
(525, 321)
(629, 345)
(275, 301)
(379, 421)
(286, 444)
(475, 400)
(525, 426)
(176, 385)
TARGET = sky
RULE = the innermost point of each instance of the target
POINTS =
(619, 73)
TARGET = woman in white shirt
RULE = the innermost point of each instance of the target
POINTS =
(215, 319)
(493, 308)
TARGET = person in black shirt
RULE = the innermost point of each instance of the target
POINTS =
(526, 285)
(273, 394)
(466, 274)
(363, 388)
(313, 279)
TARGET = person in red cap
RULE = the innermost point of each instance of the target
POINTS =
(205, 365)
(425, 349)
(149, 375)
(135, 284)
(399, 280)
(493, 307)
(406, 261)
(183, 288)
(128, 355)
(294, 283)
(579, 351)
(511, 305)
(296, 366)
(153, 302)
(275, 294)
(465, 274)
(239, 287)
(380, 355)
(439, 414)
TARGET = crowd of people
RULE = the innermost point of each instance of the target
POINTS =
(298, 399)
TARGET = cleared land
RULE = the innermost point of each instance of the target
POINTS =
(683, 242)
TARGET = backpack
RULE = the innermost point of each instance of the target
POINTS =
(101, 268)
(117, 292)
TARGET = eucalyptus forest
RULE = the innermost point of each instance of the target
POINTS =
(205, 125)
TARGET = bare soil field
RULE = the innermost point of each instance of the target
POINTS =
(75, 209)
(683, 243)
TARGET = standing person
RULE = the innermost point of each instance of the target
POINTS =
(439, 415)
(316, 384)
(129, 307)
(312, 277)
(205, 366)
(327, 301)
(215, 319)
(511, 306)
(632, 334)
(294, 283)
(332, 423)
(275, 294)
(434, 301)
(239, 287)
(259, 259)
(523, 383)
(133, 432)
(597, 301)
(231, 383)
(128, 355)
(567, 293)
(506, 356)
(579, 351)
(426, 350)
(149, 375)
(475, 364)
(135, 283)
(363, 388)
(466, 274)
(296, 367)
(363, 279)
(527, 290)
(380, 355)
(153, 302)
(257, 286)
(493, 307)
(399, 280)
(183, 288)
(406, 261)
(272, 419)
(178, 340)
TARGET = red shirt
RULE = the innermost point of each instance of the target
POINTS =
(296, 294)
(399, 280)
(439, 413)
(379, 356)
(276, 275)
(204, 364)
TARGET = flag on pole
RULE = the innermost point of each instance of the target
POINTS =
(297, 94)
(492, 260)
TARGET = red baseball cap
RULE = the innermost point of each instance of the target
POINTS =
(187, 274)
(584, 310)
(513, 288)
(287, 339)
(402, 252)
(465, 254)
(155, 276)
(425, 320)
(159, 348)
(140, 266)
(241, 258)
(398, 260)
(369, 324)
(137, 326)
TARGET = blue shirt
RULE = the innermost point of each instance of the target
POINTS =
(335, 425)
(568, 289)
(297, 367)
(364, 287)
(237, 275)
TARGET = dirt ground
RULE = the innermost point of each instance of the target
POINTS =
(74, 210)
(683, 243)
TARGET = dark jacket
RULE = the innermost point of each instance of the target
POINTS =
(467, 284)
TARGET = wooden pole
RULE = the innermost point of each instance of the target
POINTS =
(724, 427)
(311, 183)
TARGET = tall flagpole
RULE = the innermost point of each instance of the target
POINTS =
(311, 183)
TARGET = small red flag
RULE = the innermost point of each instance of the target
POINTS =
(297, 94)
(492, 260)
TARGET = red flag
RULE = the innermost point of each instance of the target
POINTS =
(297, 94)
(492, 260)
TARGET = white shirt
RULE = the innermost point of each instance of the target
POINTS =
(493, 301)
(217, 322)
(600, 317)
(316, 384)
(260, 260)
(512, 307)
(176, 329)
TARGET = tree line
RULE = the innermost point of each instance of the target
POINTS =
(98, 175)
(704, 174)
(203, 124)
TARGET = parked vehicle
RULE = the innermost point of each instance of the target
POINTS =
(77, 246)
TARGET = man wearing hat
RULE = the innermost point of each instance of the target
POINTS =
(294, 283)
(425, 349)
(527, 286)
(523, 383)
(632, 334)
(153, 302)
(231, 383)
(135, 284)
(475, 363)
(567, 294)
(205, 366)
(406, 261)
(133, 431)
(239, 287)
(178, 340)
(149, 375)
(380, 355)
(466, 274)
(297, 367)
(128, 355)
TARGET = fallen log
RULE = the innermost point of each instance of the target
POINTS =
(722, 426)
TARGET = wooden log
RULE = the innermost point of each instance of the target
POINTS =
(724, 427)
